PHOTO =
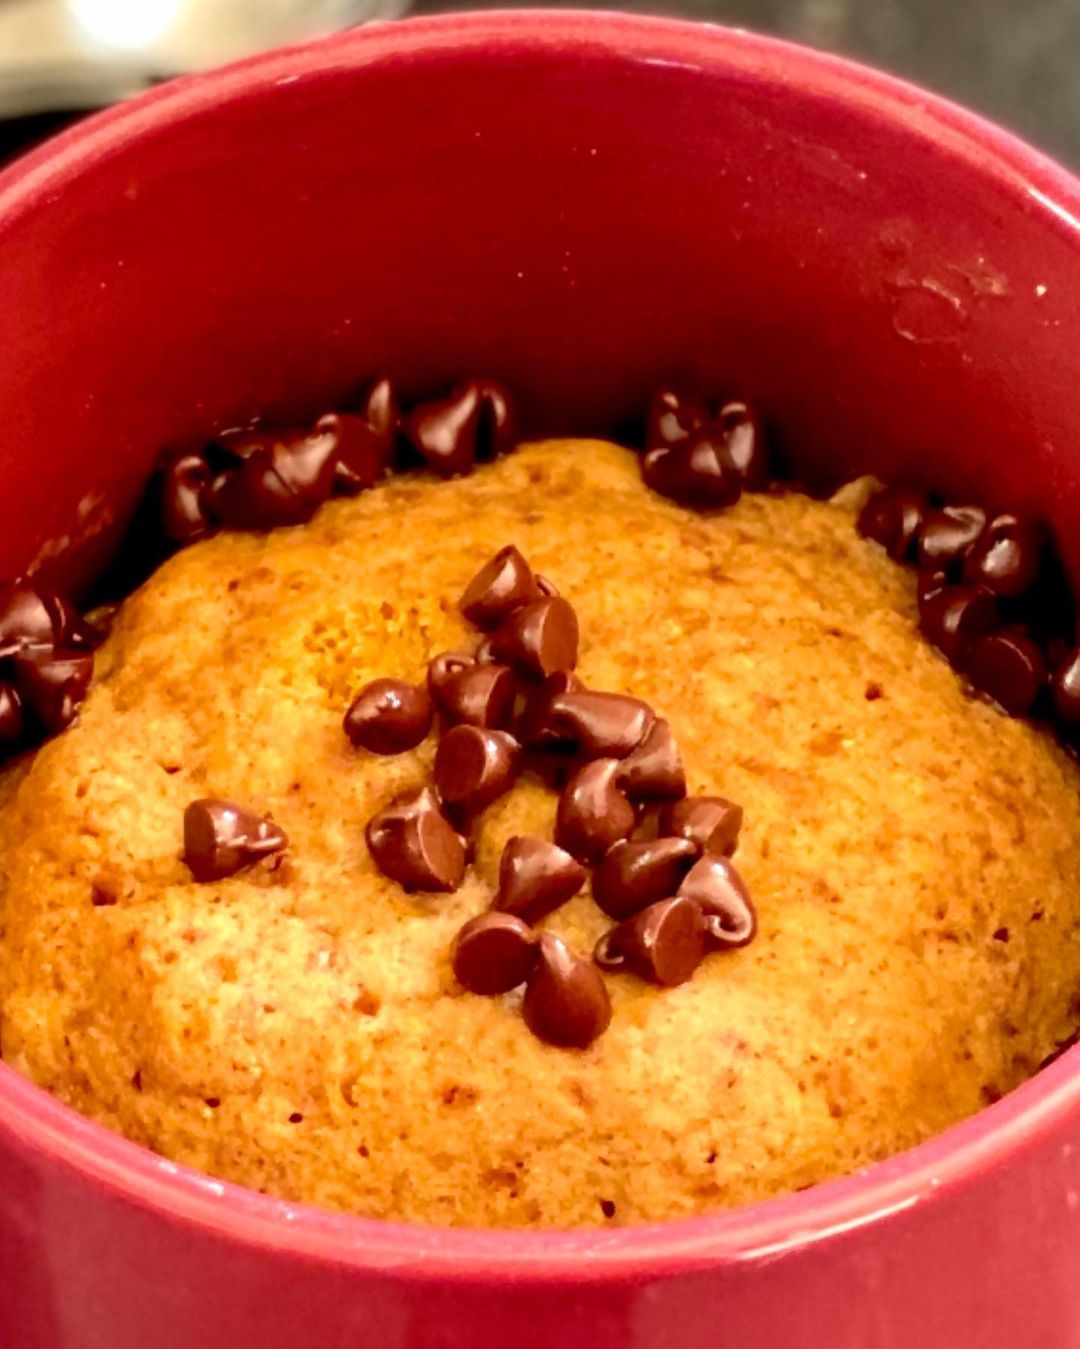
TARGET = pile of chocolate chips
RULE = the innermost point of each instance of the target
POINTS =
(701, 453)
(660, 858)
(992, 598)
(46, 663)
(260, 477)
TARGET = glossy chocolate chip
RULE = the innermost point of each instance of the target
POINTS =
(307, 464)
(712, 822)
(360, 456)
(664, 943)
(379, 408)
(947, 533)
(442, 669)
(413, 843)
(1066, 687)
(546, 587)
(254, 496)
(954, 617)
(474, 765)
(26, 619)
(634, 875)
(70, 629)
(473, 695)
(389, 716)
(744, 440)
(593, 814)
(497, 429)
(494, 953)
(475, 422)
(598, 725)
(893, 517)
(537, 728)
(566, 1002)
(539, 639)
(185, 477)
(720, 892)
(443, 432)
(12, 721)
(536, 878)
(673, 416)
(499, 587)
(1010, 668)
(654, 771)
(222, 838)
(1005, 558)
(928, 583)
(697, 472)
(53, 684)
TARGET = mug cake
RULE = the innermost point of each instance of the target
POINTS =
(558, 837)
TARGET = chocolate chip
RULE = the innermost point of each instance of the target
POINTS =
(566, 1003)
(254, 496)
(664, 943)
(539, 639)
(536, 878)
(389, 716)
(497, 429)
(720, 892)
(476, 695)
(712, 822)
(360, 455)
(635, 875)
(947, 533)
(366, 438)
(413, 843)
(744, 439)
(1066, 688)
(12, 722)
(442, 669)
(185, 477)
(222, 838)
(536, 726)
(654, 771)
(928, 583)
(474, 765)
(598, 725)
(954, 617)
(494, 953)
(26, 620)
(1005, 558)
(307, 464)
(475, 422)
(379, 408)
(697, 472)
(53, 684)
(500, 586)
(70, 628)
(546, 587)
(1010, 668)
(673, 416)
(893, 517)
(593, 814)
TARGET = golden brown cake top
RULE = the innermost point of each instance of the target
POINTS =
(912, 854)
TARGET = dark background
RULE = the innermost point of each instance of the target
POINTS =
(1015, 60)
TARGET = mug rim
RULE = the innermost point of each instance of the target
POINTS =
(993, 1137)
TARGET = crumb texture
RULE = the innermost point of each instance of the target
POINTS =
(913, 854)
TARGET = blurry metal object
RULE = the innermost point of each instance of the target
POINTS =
(67, 54)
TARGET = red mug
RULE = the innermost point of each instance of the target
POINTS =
(581, 205)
